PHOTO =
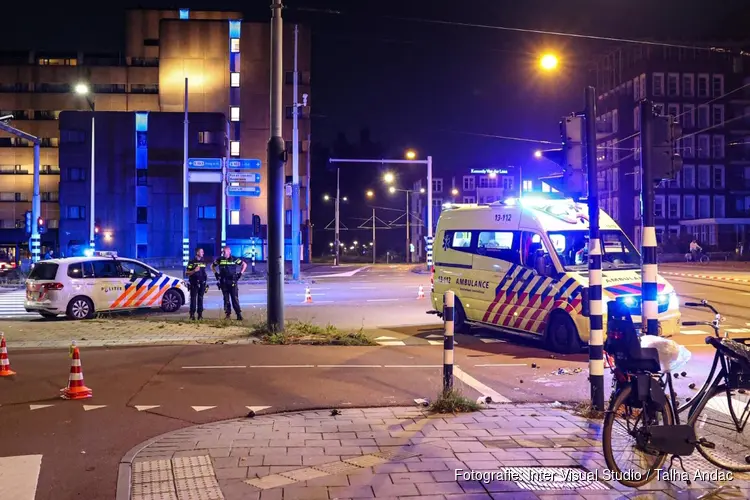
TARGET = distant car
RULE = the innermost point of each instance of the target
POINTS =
(78, 287)
(8, 270)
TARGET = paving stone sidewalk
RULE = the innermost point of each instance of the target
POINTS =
(388, 453)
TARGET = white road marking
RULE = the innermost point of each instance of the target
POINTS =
(693, 332)
(478, 386)
(434, 336)
(412, 366)
(146, 407)
(382, 300)
(19, 476)
(386, 338)
(496, 365)
(491, 341)
(93, 407)
(256, 409)
(202, 408)
(392, 342)
(315, 302)
(435, 342)
(38, 407)
(364, 288)
(311, 293)
(282, 366)
(349, 366)
(347, 274)
(212, 367)
(737, 330)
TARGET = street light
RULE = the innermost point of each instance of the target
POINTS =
(370, 194)
(83, 89)
(537, 154)
(422, 190)
(389, 177)
(411, 154)
(326, 197)
(344, 199)
(391, 189)
(548, 62)
(454, 192)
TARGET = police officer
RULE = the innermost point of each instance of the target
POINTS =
(228, 270)
(196, 273)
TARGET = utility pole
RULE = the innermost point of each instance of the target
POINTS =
(276, 160)
(295, 165)
(429, 213)
(374, 246)
(307, 199)
(185, 194)
(92, 194)
(596, 337)
(650, 312)
(337, 216)
(408, 236)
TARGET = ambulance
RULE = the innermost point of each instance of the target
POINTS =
(521, 266)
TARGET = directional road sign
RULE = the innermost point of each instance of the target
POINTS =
(205, 163)
(243, 191)
(244, 164)
(250, 177)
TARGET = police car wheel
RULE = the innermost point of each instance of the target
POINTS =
(171, 301)
(562, 336)
(80, 308)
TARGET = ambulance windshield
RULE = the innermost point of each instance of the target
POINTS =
(573, 248)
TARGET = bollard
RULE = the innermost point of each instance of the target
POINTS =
(252, 262)
(450, 299)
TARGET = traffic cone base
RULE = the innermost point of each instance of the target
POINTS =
(5, 370)
(308, 296)
(420, 294)
(76, 388)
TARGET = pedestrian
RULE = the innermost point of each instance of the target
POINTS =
(49, 255)
(197, 278)
(695, 250)
(228, 270)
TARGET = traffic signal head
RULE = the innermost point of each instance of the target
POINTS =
(572, 182)
(28, 222)
(665, 155)
(256, 225)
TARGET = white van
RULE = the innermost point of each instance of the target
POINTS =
(521, 265)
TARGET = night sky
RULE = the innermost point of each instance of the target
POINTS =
(423, 85)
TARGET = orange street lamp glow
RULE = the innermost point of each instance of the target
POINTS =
(411, 154)
(548, 62)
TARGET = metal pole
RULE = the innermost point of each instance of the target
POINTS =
(35, 246)
(336, 237)
(650, 311)
(295, 167)
(596, 338)
(307, 199)
(185, 194)
(92, 216)
(275, 314)
(429, 213)
(373, 236)
(450, 298)
(408, 240)
(224, 202)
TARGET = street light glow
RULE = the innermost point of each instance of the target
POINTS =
(370, 194)
(411, 154)
(344, 198)
(454, 191)
(391, 189)
(537, 154)
(326, 197)
(82, 89)
(548, 62)
(389, 177)
(422, 190)
(493, 175)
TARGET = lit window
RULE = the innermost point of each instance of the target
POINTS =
(234, 217)
(234, 45)
(234, 115)
(234, 79)
(234, 148)
(184, 13)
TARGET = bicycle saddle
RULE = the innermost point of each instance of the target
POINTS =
(732, 348)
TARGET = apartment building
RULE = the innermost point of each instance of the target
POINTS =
(709, 93)
(227, 64)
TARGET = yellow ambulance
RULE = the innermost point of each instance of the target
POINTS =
(521, 265)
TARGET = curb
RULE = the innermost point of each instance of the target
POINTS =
(706, 277)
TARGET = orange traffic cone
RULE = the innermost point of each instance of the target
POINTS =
(420, 294)
(5, 370)
(308, 295)
(76, 388)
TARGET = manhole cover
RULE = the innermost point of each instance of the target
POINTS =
(552, 478)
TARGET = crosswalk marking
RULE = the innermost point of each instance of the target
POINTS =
(19, 476)
(11, 304)
(693, 332)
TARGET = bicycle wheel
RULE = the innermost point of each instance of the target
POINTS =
(632, 438)
(704, 259)
(716, 423)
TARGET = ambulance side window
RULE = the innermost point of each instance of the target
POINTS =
(461, 241)
(501, 245)
(532, 250)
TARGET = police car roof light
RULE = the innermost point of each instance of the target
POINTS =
(105, 254)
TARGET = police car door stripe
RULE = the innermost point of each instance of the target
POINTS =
(142, 289)
(130, 290)
(163, 289)
(152, 289)
(158, 291)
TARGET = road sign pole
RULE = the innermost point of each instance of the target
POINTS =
(295, 222)
(224, 203)
(649, 300)
(185, 194)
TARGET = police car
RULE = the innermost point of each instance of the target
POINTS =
(78, 287)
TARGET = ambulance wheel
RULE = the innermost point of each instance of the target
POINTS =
(459, 319)
(171, 301)
(80, 308)
(562, 335)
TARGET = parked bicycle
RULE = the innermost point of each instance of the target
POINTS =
(717, 415)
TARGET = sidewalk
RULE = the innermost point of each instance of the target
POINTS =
(387, 453)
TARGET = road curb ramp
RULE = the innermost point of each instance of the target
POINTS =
(5, 370)
(76, 388)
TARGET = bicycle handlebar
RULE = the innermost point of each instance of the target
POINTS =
(702, 303)
(695, 323)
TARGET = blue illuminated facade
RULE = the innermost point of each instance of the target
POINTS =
(141, 181)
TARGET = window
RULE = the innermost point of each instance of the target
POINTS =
(76, 212)
(234, 79)
(704, 207)
(717, 85)
(718, 115)
(615, 121)
(704, 146)
(688, 207)
(498, 244)
(703, 85)
(234, 113)
(673, 109)
(234, 45)
(615, 179)
(81, 270)
(673, 207)
(151, 42)
(719, 204)
(673, 84)
(133, 270)
(688, 116)
(207, 212)
(528, 186)
(637, 236)
(704, 181)
(76, 174)
(637, 147)
(470, 199)
(141, 177)
(688, 84)
(719, 176)
(659, 206)
(508, 183)
(437, 185)
(234, 217)
(461, 241)
(637, 178)
(688, 176)
(636, 90)
(637, 207)
(469, 183)
(141, 216)
(659, 234)
(44, 271)
(657, 84)
(717, 146)
(688, 146)
(703, 116)
(205, 137)
(615, 208)
(105, 268)
(531, 246)
(637, 118)
(234, 148)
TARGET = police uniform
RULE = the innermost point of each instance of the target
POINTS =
(229, 270)
(197, 281)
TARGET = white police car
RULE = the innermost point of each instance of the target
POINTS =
(81, 286)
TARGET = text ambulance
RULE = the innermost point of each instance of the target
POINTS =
(521, 265)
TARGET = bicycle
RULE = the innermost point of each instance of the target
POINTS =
(639, 389)
(702, 258)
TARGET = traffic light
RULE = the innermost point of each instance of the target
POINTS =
(256, 225)
(666, 161)
(40, 226)
(572, 181)
(28, 222)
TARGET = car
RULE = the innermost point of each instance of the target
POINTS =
(79, 287)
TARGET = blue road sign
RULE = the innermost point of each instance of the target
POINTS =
(205, 163)
(244, 164)
(250, 177)
(243, 191)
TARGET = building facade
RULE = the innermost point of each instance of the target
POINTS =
(227, 65)
(709, 93)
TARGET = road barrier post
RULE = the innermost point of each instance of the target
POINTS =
(450, 299)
